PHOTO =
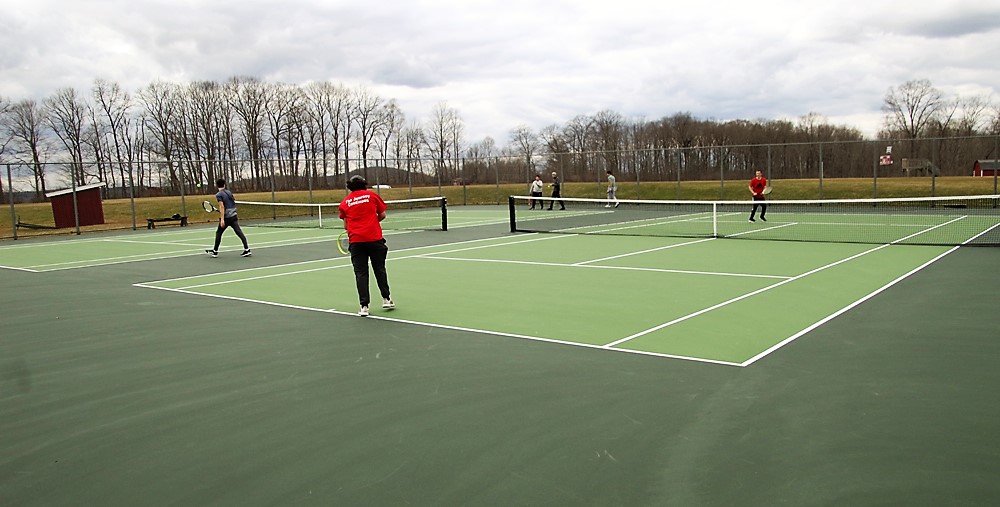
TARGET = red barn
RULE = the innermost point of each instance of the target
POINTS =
(986, 168)
(88, 205)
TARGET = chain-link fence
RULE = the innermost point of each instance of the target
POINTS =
(175, 187)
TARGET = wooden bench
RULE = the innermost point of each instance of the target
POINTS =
(151, 222)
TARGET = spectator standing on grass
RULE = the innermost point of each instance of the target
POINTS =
(536, 192)
(361, 211)
(227, 218)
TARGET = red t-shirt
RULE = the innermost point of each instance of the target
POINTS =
(360, 210)
(758, 185)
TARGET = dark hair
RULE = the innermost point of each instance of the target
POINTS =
(219, 183)
(356, 183)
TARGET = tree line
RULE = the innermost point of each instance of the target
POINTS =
(168, 135)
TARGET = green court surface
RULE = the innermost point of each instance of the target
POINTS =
(517, 369)
(686, 299)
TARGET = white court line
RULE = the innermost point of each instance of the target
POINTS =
(448, 327)
(20, 269)
(258, 268)
(124, 259)
(583, 263)
(761, 229)
(834, 315)
(197, 250)
(313, 270)
(135, 241)
(621, 268)
(765, 289)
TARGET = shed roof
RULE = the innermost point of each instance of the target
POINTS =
(81, 188)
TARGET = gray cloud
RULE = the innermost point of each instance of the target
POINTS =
(506, 63)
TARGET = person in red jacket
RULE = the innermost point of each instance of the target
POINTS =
(361, 211)
(757, 186)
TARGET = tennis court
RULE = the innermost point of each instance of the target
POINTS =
(586, 367)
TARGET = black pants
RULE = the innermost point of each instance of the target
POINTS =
(556, 195)
(763, 207)
(360, 254)
(233, 222)
(536, 201)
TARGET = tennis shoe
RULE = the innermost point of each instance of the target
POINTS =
(388, 304)
(762, 219)
(246, 253)
(752, 220)
(616, 204)
(363, 312)
(212, 253)
(607, 206)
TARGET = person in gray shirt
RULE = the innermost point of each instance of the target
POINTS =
(227, 218)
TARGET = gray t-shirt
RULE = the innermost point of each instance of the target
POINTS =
(228, 201)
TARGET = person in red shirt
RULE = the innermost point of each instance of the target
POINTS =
(361, 211)
(757, 186)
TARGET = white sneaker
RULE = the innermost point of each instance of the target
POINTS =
(212, 253)
(388, 304)
(363, 312)
(607, 206)
(616, 204)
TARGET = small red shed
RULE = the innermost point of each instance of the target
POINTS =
(986, 168)
(88, 205)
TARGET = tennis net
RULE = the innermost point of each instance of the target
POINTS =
(965, 220)
(427, 213)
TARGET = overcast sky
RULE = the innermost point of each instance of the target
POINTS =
(506, 63)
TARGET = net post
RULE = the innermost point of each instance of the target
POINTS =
(715, 220)
(444, 213)
(510, 207)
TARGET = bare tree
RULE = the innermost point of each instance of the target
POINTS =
(369, 118)
(442, 135)
(279, 109)
(912, 107)
(974, 115)
(5, 139)
(329, 105)
(525, 143)
(249, 99)
(65, 113)
(24, 125)
(412, 138)
(162, 105)
(115, 104)
(392, 124)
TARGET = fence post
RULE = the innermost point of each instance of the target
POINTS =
(679, 174)
(875, 169)
(180, 172)
(820, 170)
(13, 214)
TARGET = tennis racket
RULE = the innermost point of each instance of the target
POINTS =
(343, 243)
(767, 190)
(208, 206)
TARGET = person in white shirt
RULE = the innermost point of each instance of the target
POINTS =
(536, 191)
